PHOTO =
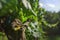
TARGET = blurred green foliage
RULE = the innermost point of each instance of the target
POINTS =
(29, 9)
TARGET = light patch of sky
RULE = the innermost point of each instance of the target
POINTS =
(51, 5)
